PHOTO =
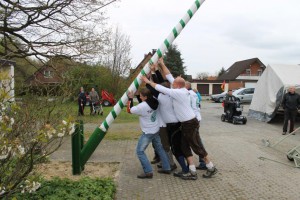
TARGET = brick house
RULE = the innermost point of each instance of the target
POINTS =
(243, 73)
(46, 75)
(7, 81)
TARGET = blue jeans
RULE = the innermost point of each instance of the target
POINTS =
(142, 145)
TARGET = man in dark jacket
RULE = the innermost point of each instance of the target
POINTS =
(229, 104)
(81, 102)
(290, 104)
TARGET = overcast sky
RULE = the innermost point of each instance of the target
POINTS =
(221, 33)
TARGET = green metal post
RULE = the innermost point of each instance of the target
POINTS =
(76, 148)
(91, 145)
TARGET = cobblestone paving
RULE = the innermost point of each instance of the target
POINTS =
(234, 149)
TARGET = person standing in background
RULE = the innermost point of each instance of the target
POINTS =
(81, 102)
(290, 104)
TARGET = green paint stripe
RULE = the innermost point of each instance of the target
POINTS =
(167, 43)
(143, 72)
(136, 83)
(114, 114)
(121, 104)
(150, 62)
(175, 32)
(105, 124)
(190, 13)
(159, 53)
(197, 4)
(182, 23)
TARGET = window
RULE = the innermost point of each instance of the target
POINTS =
(248, 72)
(47, 74)
(249, 91)
(259, 72)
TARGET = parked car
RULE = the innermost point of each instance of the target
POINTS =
(218, 97)
(244, 94)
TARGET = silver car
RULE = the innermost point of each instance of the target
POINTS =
(218, 97)
(244, 94)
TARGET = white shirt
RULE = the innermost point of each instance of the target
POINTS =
(161, 123)
(166, 109)
(181, 102)
(147, 117)
(170, 78)
(195, 104)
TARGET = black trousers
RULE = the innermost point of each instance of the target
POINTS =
(175, 138)
(81, 108)
(289, 115)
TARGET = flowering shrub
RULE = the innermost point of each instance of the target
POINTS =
(29, 132)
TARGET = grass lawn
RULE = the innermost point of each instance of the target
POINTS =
(123, 117)
(125, 127)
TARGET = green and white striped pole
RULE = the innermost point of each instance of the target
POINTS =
(100, 132)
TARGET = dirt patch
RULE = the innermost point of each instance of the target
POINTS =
(92, 170)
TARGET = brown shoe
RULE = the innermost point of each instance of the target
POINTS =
(145, 175)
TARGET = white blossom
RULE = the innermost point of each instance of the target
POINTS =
(60, 134)
(49, 134)
(2, 157)
(21, 149)
(2, 190)
(72, 129)
(12, 121)
(64, 122)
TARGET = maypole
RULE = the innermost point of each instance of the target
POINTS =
(100, 131)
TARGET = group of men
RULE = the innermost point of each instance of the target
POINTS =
(169, 114)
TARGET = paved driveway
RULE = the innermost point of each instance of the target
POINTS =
(235, 150)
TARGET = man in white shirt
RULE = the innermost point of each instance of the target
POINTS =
(149, 125)
(189, 125)
(195, 104)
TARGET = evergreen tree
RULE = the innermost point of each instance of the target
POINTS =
(174, 62)
(222, 71)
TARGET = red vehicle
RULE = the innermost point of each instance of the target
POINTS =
(107, 98)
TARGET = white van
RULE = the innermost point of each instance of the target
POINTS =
(244, 94)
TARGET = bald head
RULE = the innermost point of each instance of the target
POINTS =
(292, 89)
(188, 85)
(179, 82)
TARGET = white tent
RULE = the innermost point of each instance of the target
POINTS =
(270, 88)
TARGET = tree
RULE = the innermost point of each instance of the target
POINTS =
(56, 27)
(118, 58)
(222, 71)
(30, 131)
(202, 75)
(174, 61)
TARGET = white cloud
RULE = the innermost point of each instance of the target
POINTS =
(221, 33)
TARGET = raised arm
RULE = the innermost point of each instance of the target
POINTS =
(157, 87)
(159, 77)
(164, 68)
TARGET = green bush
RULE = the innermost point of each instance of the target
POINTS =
(85, 188)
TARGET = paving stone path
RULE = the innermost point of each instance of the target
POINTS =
(235, 150)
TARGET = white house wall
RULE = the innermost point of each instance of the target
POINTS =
(9, 83)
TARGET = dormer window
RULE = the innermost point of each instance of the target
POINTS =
(248, 72)
(47, 74)
(259, 72)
